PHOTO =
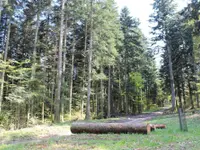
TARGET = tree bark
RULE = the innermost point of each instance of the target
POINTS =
(109, 88)
(190, 93)
(126, 93)
(35, 46)
(59, 68)
(43, 112)
(71, 80)
(64, 70)
(99, 128)
(5, 59)
(90, 64)
(34, 59)
(102, 95)
(84, 65)
(120, 103)
(179, 95)
(183, 91)
(173, 97)
(196, 87)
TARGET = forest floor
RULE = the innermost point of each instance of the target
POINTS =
(59, 137)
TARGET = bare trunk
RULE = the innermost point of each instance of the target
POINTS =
(63, 72)
(90, 64)
(35, 47)
(42, 112)
(179, 96)
(125, 86)
(120, 103)
(5, 59)
(102, 95)
(190, 93)
(173, 97)
(84, 53)
(52, 97)
(126, 94)
(71, 82)
(93, 99)
(34, 60)
(109, 86)
(184, 98)
(196, 87)
(197, 98)
(96, 100)
(59, 68)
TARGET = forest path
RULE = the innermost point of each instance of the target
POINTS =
(45, 133)
(140, 118)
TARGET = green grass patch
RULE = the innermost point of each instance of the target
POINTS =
(169, 138)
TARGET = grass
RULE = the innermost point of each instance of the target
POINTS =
(170, 138)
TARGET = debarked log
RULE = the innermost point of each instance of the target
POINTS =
(159, 126)
(100, 128)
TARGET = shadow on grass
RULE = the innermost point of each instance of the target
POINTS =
(170, 138)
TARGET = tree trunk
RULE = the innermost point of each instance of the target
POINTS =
(190, 93)
(52, 98)
(183, 92)
(197, 98)
(59, 68)
(96, 100)
(84, 53)
(64, 71)
(126, 94)
(102, 95)
(90, 64)
(93, 98)
(71, 80)
(43, 112)
(109, 88)
(179, 95)
(196, 87)
(173, 97)
(140, 102)
(99, 128)
(147, 97)
(5, 59)
(34, 59)
(120, 103)
(35, 47)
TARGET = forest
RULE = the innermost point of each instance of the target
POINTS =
(80, 59)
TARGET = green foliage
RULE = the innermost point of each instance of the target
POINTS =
(30, 87)
(136, 79)
(4, 121)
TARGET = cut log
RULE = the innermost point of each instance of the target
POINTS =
(99, 128)
(159, 126)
